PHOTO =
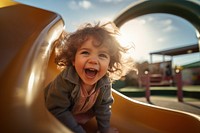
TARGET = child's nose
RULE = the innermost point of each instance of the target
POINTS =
(93, 60)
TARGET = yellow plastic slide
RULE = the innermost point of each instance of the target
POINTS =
(26, 54)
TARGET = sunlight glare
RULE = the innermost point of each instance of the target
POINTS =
(29, 95)
(137, 32)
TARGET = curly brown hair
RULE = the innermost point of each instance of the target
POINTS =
(68, 43)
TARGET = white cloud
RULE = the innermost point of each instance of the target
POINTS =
(161, 39)
(150, 19)
(142, 21)
(166, 22)
(168, 25)
(105, 0)
(73, 5)
(109, 1)
(145, 20)
(169, 28)
(85, 4)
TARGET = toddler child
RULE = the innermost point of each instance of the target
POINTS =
(88, 56)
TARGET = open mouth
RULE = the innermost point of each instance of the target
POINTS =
(91, 72)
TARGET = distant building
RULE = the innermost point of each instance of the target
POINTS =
(162, 72)
(191, 73)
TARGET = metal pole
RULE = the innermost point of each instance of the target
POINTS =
(179, 85)
(147, 91)
(151, 59)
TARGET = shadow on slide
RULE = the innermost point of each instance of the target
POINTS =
(27, 65)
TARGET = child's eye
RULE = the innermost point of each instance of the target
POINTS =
(103, 56)
(85, 52)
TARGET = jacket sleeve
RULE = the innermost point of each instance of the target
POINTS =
(57, 101)
(103, 110)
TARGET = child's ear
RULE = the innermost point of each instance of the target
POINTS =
(73, 63)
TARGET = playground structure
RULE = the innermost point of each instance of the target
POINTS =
(188, 10)
(163, 73)
(27, 65)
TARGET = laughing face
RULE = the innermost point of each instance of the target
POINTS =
(91, 62)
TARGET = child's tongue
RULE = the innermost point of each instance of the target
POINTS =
(90, 73)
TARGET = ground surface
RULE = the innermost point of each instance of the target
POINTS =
(166, 97)
(190, 105)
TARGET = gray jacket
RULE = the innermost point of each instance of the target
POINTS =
(62, 93)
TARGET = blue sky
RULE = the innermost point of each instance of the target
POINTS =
(148, 33)
(76, 12)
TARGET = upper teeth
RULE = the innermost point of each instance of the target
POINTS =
(91, 69)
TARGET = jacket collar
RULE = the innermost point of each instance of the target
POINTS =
(71, 75)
